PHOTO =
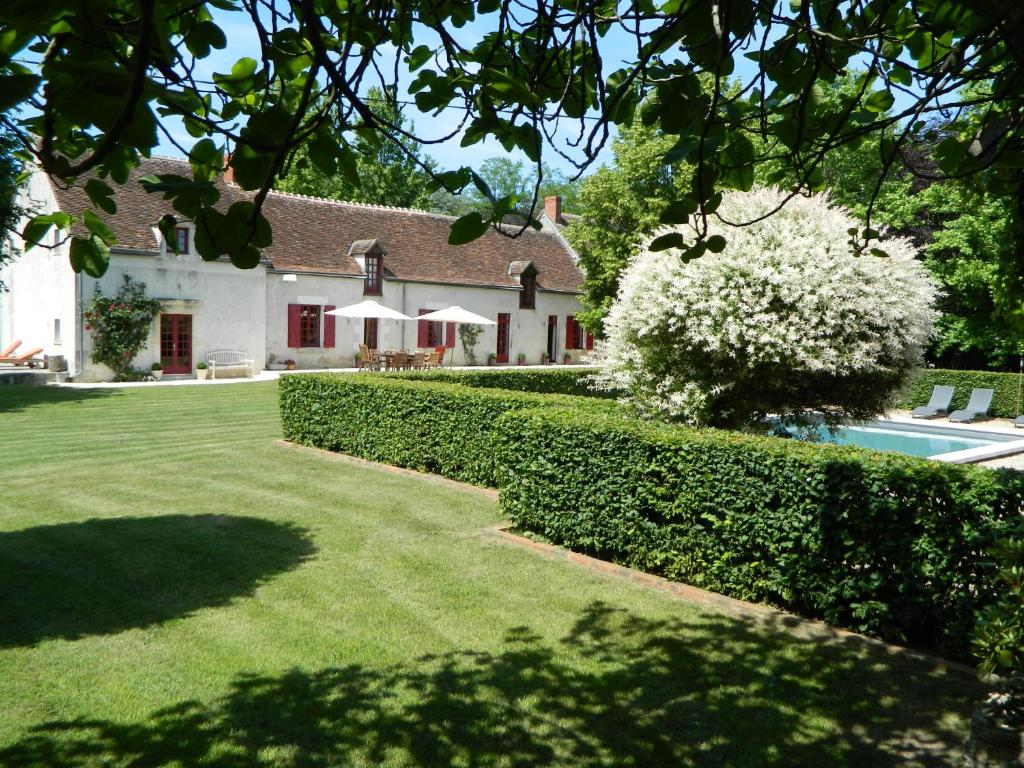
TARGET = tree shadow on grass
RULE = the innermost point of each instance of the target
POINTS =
(617, 690)
(102, 576)
(18, 397)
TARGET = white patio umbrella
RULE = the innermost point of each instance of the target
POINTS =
(455, 315)
(369, 308)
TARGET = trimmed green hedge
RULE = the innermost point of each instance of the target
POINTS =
(553, 381)
(1004, 401)
(888, 545)
(436, 427)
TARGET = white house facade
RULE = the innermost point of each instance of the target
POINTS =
(325, 254)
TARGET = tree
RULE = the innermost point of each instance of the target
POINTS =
(120, 325)
(387, 172)
(10, 211)
(780, 320)
(538, 71)
(619, 206)
(514, 180)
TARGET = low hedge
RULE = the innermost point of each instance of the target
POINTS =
(552, 381)
(889, 545)
(432, 426)
(884, 544)
(1004, 401)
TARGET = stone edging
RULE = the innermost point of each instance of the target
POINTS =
(767, 617)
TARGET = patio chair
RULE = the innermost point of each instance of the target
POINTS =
(938, 405)
(1019, 422)
(440, 356)
(978, 405)
(419, 361)
(368, 359)
(431, 362)
(9, 350)
(27, 358)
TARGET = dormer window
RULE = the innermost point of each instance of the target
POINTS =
(181, 239)
(374, 267)
(528, 296)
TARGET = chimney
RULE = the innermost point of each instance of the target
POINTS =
(229, 172)
(553, 208)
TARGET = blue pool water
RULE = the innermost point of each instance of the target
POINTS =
(886, 437)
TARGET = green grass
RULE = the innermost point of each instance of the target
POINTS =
(176, 589)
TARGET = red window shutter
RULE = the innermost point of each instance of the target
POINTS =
(590, 341)
(294, 320)
(423, 335)
(328, 326)
(449, 336)
(570, 332)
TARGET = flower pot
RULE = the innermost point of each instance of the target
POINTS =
(993, 744)
(201, 373)
(157, 374)
(290, 366)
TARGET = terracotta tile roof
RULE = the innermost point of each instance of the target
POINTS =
(316, 235)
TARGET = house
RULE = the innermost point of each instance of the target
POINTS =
(325, 254)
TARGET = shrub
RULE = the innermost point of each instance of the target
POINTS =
(884, 544)
(157, 366)
(1004, 401)
(120, 325)
(558, 381)
(201, 365)
(433, 426)
(786, 321)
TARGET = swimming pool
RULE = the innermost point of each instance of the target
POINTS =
(935, 441)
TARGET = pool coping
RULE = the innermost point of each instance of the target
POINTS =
(1000, 449)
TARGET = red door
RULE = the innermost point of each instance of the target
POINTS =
(176, 343)
(504, 319)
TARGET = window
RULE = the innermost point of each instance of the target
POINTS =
(309, 325)
(374, 275)
(56, 330)
(575, 336)
(181, 238)
(528, 296)
(435, 334)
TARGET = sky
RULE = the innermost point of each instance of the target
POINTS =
(242, 42)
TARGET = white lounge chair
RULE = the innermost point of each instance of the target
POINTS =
(978, 405)
(938, 405)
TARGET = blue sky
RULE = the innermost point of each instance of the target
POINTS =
(242, 42)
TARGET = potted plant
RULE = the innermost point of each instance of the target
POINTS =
(156, 371)
(289, 364)
(567, 359)
(492, 358)
(201, 370)
(521, 358)
(545, 359)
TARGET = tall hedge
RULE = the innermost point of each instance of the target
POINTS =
(888, 545)
(885, 544)
(1004, 401)
(554, 381)
(436, 427)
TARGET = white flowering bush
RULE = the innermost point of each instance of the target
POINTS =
(785, 321)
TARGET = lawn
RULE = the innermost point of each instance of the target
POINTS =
(177, 589)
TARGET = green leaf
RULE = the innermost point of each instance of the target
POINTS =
(101, 195)
(679, 211)
(467, 229)
(16, 88)
(879, 101)
(97, 227)
(89, 255)
(716, 243)
(666, 241)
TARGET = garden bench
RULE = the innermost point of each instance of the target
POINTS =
(227, 358)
